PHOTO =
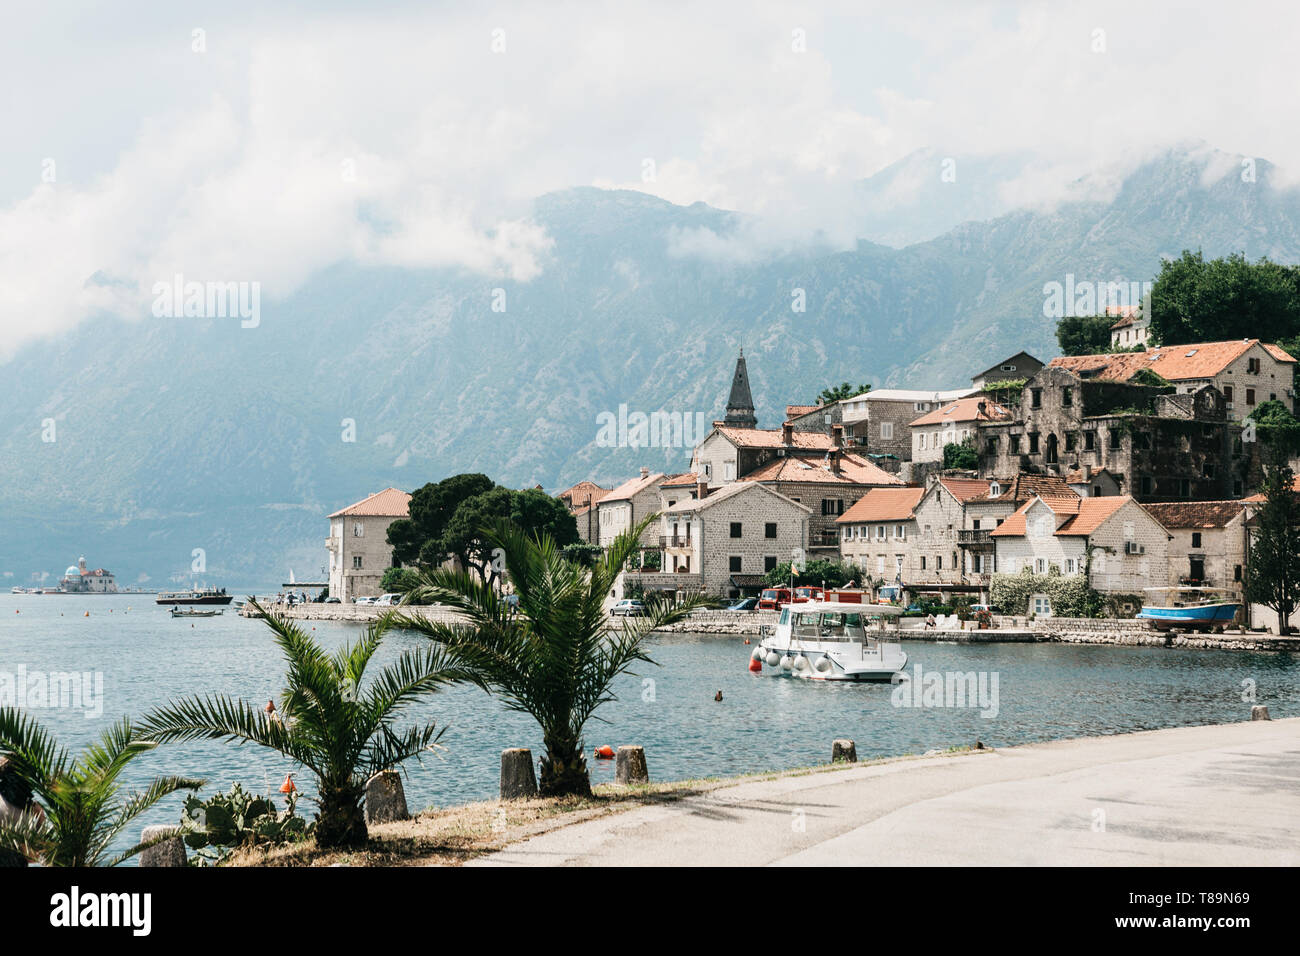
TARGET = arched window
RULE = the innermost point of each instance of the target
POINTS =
(1051, 449)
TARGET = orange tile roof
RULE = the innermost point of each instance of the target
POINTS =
(1063, 504)
(964, 410)
(854, 470)
(583, 492)
(798, 411)
(389, 503)
(1175, 362)
(632, 487)
(883, 504)
(964, 489)
(1023, 487)
(1092, 512)
(1194, 514)
(771, 438)
(689, 478)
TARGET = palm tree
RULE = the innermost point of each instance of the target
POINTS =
(555, 655)
(72, 809)
(326, 722)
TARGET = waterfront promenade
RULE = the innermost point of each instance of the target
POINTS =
(1220, 795)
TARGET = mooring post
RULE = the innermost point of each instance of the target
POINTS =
(518, 781)
(385, 798)
(844, 751)
(1259, 712)
(168, 852)
(630, 766)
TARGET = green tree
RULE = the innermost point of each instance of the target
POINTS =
(557, 655)
(417, 539)
(960, 455)
(837, 393)
(581, 553)
(74, 807)
(397, 580)
(814, 573)
(327, 722)
(1084, 334)
(1198, 300)
(1272, 574)
(1275, 426)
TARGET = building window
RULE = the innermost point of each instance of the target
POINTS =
(938, 562)
(356, 562)
(1071, 440)
(1252, 366)
(1184, 488)
(1145, 484)
(886, 429)
(1015, 444)
(1069, 565)
(900, 531)
(769, 562)
(991, 446)
(735, 529)
(728, 471)
(1227, 393)
(921, 439)
(769, 529)
(358, 529)
(1114, 437)
(1042, 606)
(1033, 443)
(735, 563)
(1067, 397)
(1196, 539)
(1089, 441)
(1036, 398)
(922, 562)
(1250, 396)
(1236, 572)
(1040, 565)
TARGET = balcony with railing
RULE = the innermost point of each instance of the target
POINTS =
(675, 541)
(974, 538)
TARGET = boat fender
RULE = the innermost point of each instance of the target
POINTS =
(605, 753)
(757, 655)
(787, 662)
(773, 659)
(800, 664)
(755, 665)
(823, 665)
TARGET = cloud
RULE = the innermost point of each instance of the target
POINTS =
(306, 137)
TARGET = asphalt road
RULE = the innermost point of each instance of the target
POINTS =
(1225, 795)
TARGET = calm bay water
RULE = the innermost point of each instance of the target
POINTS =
(1045, 691)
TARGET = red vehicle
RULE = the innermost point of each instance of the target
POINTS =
(806, 593)
(771, 599)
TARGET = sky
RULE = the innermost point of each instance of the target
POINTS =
(252, 142)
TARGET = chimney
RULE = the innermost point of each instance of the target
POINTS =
(1087, 471)
(701, 490)
(834, 456)
(837, 435)
(645, 472)
(787, 433)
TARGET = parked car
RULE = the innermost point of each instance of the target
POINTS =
(772, 598)
(388, 600)
(332, 600)
(363, 600)
(744, 604)
(991, 608)
(628, 607)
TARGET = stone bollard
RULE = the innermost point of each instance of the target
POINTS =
(629, 765)
(385, 798)
(844, 751)
(169, 852)
(518, 781)
(1259, 712)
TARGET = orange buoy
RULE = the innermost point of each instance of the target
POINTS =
(87, 614)
(288, 785)
(605, 753)
(755, 666)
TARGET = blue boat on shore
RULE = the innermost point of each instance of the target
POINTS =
(1197, 612)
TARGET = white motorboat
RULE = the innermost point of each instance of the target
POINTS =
(827, 640)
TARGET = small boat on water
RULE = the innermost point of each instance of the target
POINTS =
(195, 596)
(197, 612)
(1192, 608)
(829, 640)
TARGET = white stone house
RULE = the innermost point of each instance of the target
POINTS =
(953, 423)
(624, 507)
(1208, 542)
(1129, 548)
(731, 537)
(876, 531)
(359, 552)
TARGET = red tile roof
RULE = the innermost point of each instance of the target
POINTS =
(798, 411)
(632, 487)
(883, 504)
(1195, 514)
(389, 503)
(772, 438)
(1023, 487)
(973, 409)
(690, 478)
(1175, 362)
(854, 470)
(1083, 516)
(964, 489)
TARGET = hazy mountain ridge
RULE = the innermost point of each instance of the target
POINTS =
(180, 434)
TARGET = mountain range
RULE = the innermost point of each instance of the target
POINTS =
(172, 435)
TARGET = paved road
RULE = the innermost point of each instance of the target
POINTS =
(1222, 795)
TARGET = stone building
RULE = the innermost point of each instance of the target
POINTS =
(582, 495)
(724, 542)
(359, 552)
(1246, 372)
(1155, 446)
(1113, 539)
(1021, 365)
(1208, 542)
(626, 506)
(876, 531)
(878, 421)
(953, 423)
(728, 453)
(79, 579)
(1130, 330)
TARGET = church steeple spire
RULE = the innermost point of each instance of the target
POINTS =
(740, 404)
